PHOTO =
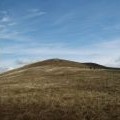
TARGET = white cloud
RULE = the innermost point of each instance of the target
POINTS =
(34, 13)
(13, 35)
(64, 18)
(33, 10)
(4, 69)
(9, 27)
(21, 62)
(5, 19)
(44, 50)
(118, 59)
(98, 54)
(7, 33)
(110, 44)
(12, 24)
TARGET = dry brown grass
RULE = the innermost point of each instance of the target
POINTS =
(60, 93)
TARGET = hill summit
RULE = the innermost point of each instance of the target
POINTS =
(65, 63)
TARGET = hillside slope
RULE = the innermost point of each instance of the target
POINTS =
(58, 89)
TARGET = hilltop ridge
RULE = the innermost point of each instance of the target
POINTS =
(65, 63)
(56, 62)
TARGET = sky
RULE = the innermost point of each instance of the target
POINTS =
(79, 30)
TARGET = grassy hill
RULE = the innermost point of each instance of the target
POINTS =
(58, 89)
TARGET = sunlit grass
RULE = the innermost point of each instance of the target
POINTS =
(67, 95)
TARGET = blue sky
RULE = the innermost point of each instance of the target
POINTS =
(80, 30)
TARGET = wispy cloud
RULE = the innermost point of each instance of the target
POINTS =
(32, 13)
(64, 18)
(93, 53)
(9, 27)
(34, 10)
(118, 60)
(9, 31)
(5, 22)
(21, 62)
(5, 19)
(4, 69)
(110, 44)
(12, 23)
(13, 36)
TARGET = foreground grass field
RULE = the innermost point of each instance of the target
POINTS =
(54, 91)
